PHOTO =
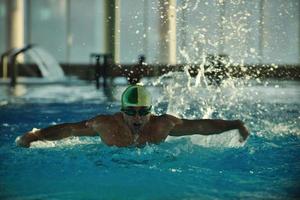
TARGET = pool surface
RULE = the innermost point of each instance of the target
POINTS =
(267, 166)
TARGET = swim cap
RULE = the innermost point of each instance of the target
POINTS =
(136, 95)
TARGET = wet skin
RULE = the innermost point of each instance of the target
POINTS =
(123, 130)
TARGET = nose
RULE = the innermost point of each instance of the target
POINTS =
(137, 116)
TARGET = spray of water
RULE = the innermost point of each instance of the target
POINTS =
(225, 96)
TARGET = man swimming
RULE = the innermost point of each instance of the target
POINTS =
(134, 125)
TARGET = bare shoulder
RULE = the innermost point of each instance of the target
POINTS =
(168, 119)
(102, 120)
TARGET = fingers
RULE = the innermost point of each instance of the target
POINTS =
(27, 138)
(21, 142)
(244, 133)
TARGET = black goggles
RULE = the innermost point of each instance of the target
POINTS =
(140, 112)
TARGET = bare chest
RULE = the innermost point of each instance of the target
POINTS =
(115, 132)
(122, 136)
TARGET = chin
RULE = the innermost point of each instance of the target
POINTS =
(137, 129)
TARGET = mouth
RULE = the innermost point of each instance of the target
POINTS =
(137, 125)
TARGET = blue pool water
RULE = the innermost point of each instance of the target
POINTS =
(267, 166)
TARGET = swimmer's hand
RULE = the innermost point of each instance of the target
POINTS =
(22, 142)
(244, 133)
(27, 138)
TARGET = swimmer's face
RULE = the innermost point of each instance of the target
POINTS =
(136, 117)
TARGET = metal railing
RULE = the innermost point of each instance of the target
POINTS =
(9, 64)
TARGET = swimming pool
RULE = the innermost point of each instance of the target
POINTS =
(196, 167)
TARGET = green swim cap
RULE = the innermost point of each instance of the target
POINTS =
(136, 95)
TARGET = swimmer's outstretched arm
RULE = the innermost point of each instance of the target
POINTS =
(56, 132)
(208, 127)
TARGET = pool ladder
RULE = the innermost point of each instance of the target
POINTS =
(9, 64)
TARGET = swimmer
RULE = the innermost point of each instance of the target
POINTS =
(134, 125)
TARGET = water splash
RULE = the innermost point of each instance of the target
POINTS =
(225, 96)
(64, 143)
